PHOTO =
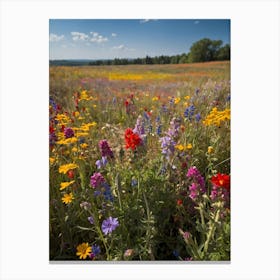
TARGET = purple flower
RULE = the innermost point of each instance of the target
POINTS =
(105, 149)
(109, 225)
(198, 185)
(91, 220)
(68, 132)
(96, 179)
(101, 162)
(95, 250)
(167, 146)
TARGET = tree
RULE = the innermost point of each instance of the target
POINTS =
(224, 53)
(204, 50)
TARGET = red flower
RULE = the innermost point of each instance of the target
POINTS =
(221, 180)
(132, 140)
(70, 174)
(179, 202)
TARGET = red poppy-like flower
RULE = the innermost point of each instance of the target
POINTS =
(132, 140)
(179, 202)
(126, 103)
(221, 180)
(70, 174)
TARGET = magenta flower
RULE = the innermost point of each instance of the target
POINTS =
(109, 225)
(96, 180)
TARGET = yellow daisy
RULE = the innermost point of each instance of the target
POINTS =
(64, 185)
(83, 250)
(67, 198)
(66, 167)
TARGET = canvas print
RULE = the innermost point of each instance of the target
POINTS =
(139, 140)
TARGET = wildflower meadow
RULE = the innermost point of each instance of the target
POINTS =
(139, 162)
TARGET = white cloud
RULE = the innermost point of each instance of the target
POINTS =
(55, 37)
(94, 34)
(147, 20)
(98, 39)
(196, 22)
(78, 36)
(122, 48)
(114, 35)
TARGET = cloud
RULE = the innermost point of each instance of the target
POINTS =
(114, 35)
(122, 48)
(147, 20)
(78, 36)
(196, 22)
(94, 34)
(99, 39)
(55, 37)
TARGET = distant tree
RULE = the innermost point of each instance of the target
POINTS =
(224, 53)
(184, 58)
(204, 50)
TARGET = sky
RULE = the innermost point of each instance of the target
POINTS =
(130, 38)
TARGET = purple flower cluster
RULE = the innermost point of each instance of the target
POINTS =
(198, 185)
(109, 225)
(68, 132)
(96, 180)
(174, 127)
(167, 146)
(105, 149)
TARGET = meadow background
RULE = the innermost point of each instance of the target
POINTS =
(140, 162)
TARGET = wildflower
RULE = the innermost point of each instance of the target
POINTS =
(132, 139)
(198, 185)
(174, 127)
(189, 112)
(189, 146)
(85, 205)
(134, 182)
(221, 180)
(109, 225)
(107, 192)
(95, 250)
(83, 250)
(198, 117)
(66, 167)
(91, 220)
(67, 198)
(179, 202)
(96, 179)
(176, 253)
(180, 147)
(167, 146)
(215, 117)
(64, 185)
(84, 145)
(101, 162)
(210, 150)
(52, 160)
(128, 253)
(139, 127)
(105, 149)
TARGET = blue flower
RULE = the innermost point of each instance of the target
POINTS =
(109, 225)
(91, 220)
(134, 182)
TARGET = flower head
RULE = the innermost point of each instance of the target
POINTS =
(96, 179)
(132, 139)
(68, 132)
(67, 198)
(95, 250)
(64, 185)
(109, 225)
(221, 180)
(83, 250)
(105, 149)
(66, 167)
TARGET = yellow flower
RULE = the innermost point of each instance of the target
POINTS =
(155, 98)
(74, 149)
(67, 198)
(189, 146)
(83, 250)
(76, 114)
(187, 97)
(64, 185)
(177, 100)
(52, 160)
(62, 118)
(67, 141)
(210, 150)
(180, 147)
(66, 167)
(84, 145)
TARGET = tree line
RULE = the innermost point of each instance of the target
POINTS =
(201, 51)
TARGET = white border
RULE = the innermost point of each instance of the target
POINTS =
(24, 138)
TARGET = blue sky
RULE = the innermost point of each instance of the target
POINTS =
(107, 39)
